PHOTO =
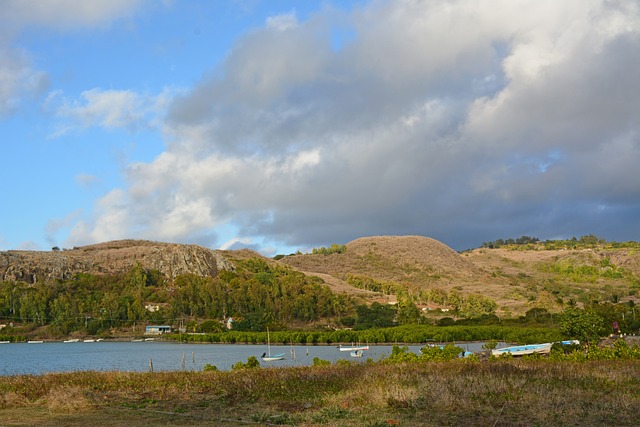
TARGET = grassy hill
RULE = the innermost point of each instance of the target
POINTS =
(516, 277)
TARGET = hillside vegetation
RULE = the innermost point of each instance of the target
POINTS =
(549, 275)
(386, 281)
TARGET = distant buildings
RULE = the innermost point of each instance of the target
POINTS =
(157, 330)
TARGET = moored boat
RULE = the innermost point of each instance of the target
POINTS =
(268, 357)
(273, 357)
(353, 347)
(522, 350)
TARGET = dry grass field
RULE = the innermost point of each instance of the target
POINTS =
(499, 393)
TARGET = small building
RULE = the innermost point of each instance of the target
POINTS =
(157, 330)
(152, 308)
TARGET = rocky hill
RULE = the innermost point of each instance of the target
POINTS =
(111, 258)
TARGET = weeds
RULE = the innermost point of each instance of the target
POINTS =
(548, 391)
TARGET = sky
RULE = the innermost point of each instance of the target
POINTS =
(282, 125)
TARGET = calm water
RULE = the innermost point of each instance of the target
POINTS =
(24, 358)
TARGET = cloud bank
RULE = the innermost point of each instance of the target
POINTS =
(461, 120)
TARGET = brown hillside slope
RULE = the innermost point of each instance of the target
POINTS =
(422, 253)
(511, 261)
(551, 279)
(516, 279)
(111, 258)
(396, 258)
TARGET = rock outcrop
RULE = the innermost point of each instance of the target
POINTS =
(111, 258)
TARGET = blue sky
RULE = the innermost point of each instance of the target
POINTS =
(287, 125)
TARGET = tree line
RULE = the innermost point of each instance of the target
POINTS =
(584, 242)
(256, 294)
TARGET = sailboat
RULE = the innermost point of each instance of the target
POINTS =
(267, 357)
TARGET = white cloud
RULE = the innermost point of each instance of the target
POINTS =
(112, 221)
(110, 109)
(229, 244)
(449, 119)
(283, 22)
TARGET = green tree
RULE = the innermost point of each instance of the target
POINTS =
(583, 325)
(252, 363)
(375, 316)
(408, 313)
(456, 301)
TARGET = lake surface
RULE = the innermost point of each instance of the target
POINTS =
(25, 358)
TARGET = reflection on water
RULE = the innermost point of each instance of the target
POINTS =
(24, 358)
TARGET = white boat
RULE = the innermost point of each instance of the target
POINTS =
(5, 342)
(356, 353)
(35, 342)
(272, 358)
(521, 350)
(353, 347)
(268, 357)
(89, 341)
(72, 340)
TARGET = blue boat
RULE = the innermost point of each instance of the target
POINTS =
(521, 350)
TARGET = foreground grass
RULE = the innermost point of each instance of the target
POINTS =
(495, 393)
